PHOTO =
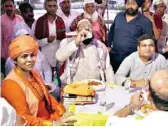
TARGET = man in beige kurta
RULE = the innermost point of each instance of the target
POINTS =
(85, 58)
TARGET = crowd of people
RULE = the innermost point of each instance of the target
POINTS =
(39, 57)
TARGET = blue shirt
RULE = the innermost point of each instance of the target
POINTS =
(123, 35)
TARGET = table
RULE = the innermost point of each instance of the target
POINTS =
(115, 98)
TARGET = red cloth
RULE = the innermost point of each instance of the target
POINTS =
(158, 20)
(42, 30)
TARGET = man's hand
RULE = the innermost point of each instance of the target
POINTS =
(109, 49)
(139, 83)
(68, 119)
(151, 18)
(166, 48)
(81, 36)
(51, 38)
(136, 100)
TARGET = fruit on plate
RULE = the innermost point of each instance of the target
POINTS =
(146, 108)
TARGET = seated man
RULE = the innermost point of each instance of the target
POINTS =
(140, 65)
(159, 96)
(86, 57)
(98, 25)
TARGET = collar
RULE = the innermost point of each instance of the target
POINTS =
(151, 59)
(70, 14)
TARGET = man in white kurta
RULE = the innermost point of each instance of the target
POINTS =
(87, 58)
(66, 13)
(49, 30)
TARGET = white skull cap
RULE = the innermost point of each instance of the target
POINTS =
(88, 1)
(156, 2)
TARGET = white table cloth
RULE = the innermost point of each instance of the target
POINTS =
(115, 98)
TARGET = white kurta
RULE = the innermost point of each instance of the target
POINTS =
(154, 119)
(88, 63)
(22, 25)
(49, 49)
(7, 114)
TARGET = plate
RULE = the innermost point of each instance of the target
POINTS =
(144, 110)
(98, 87)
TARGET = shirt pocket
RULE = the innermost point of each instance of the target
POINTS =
(134, 30)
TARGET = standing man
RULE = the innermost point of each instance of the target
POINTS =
(128, 26)
(28, 15)
(66, 13)
(49, 30)
(160, 8)
(101, 7)
(154, 18)
(98, 25)
(8, 20)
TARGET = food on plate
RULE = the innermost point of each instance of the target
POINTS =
(94, 83)
(146, 108)
(81, 89)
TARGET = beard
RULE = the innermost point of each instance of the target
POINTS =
(9, 12)
(93, 17)
(87, 41)
(132, 12)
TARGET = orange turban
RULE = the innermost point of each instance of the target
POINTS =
(21, 45)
